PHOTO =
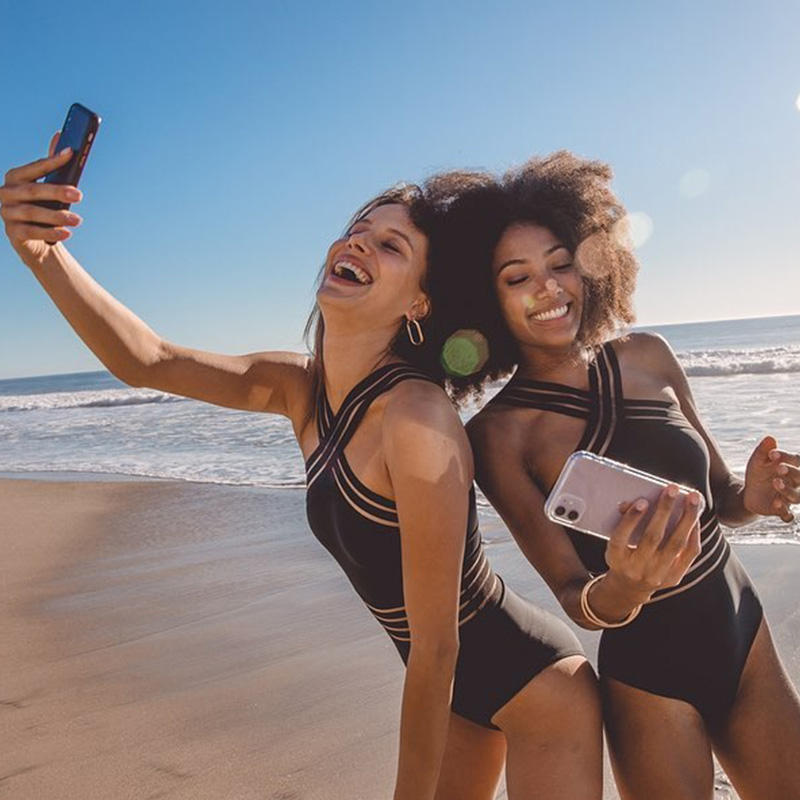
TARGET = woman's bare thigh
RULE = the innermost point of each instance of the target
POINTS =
(553, 729)
(760, 746)
(659, 746)
(473, 762)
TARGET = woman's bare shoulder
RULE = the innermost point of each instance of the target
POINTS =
(501, 429)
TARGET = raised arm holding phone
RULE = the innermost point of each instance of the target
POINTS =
(492, 682)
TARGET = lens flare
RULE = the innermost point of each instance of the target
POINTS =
(591, 255)
(465, 352)
(633, 230)
(695, 182)
(528, 302)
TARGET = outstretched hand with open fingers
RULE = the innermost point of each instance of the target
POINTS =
(18, 197)
(772, 481)
(661, 556)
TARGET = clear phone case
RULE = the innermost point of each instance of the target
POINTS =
(590, 488)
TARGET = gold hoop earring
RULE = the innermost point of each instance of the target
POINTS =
(415, 335)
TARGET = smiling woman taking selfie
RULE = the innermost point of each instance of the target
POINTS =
(491, 681)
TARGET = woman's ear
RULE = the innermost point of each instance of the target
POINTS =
(420, 308)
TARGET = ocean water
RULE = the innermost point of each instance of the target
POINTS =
(745, 375)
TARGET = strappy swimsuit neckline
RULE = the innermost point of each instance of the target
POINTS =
(335, 431)
(602, 405)
(605, 409)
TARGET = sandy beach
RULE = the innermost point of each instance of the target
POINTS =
(177, 640)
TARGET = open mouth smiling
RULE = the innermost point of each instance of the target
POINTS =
(552, 313)
(348, 271)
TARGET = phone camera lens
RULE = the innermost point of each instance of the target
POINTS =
(560, 511)
(573, 515)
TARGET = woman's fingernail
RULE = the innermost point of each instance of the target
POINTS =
(694, 499)
(672, 491)
(783, 469)
(64, 151)
(72, 194)
(74, 219)
(640, 505)
(778, 484)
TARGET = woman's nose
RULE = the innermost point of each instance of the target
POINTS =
(550, 288)
(357, 241)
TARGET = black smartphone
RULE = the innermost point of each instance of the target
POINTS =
(79, 132)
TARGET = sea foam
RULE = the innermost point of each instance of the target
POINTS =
(763, 361)
(108, 398)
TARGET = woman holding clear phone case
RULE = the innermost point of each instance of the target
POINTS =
(686, 661)
(389, 492)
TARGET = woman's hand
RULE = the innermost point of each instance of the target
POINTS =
(660, 558)
(772, 481)
(17, 197)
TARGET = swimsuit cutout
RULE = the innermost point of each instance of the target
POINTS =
(690, 641)
(504, 641)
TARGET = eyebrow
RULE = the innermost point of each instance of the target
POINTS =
(512, 261)
(395, 231)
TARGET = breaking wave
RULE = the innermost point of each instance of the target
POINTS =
(765, 361)
(92, 399)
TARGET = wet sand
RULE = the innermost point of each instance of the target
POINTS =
(170, 640)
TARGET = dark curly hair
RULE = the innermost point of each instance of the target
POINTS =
(568, 195)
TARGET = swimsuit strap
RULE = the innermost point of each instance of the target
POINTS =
(546, 396)
(601, 406)
(608, 403)
(324, 414)
(337, 429)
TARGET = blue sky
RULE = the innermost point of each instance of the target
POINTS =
(237, 139)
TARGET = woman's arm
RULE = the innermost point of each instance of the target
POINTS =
(276, 382)
(430, 465)
(772, 476)
(633, 574)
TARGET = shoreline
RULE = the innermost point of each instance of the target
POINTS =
(190, 640)
(492, 527)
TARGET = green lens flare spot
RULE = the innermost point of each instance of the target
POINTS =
(464, 353)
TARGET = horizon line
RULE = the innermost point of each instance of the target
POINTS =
(716, 319)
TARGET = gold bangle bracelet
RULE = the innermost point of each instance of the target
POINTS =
(587, 612)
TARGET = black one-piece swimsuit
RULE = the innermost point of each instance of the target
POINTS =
(504, 640)
(690, 641)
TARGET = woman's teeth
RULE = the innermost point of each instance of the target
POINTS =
(351, 272)
(553, 313)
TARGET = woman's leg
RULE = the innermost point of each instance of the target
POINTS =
(760, 746)
(473, 762)
(659, 747)
(553, 730)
